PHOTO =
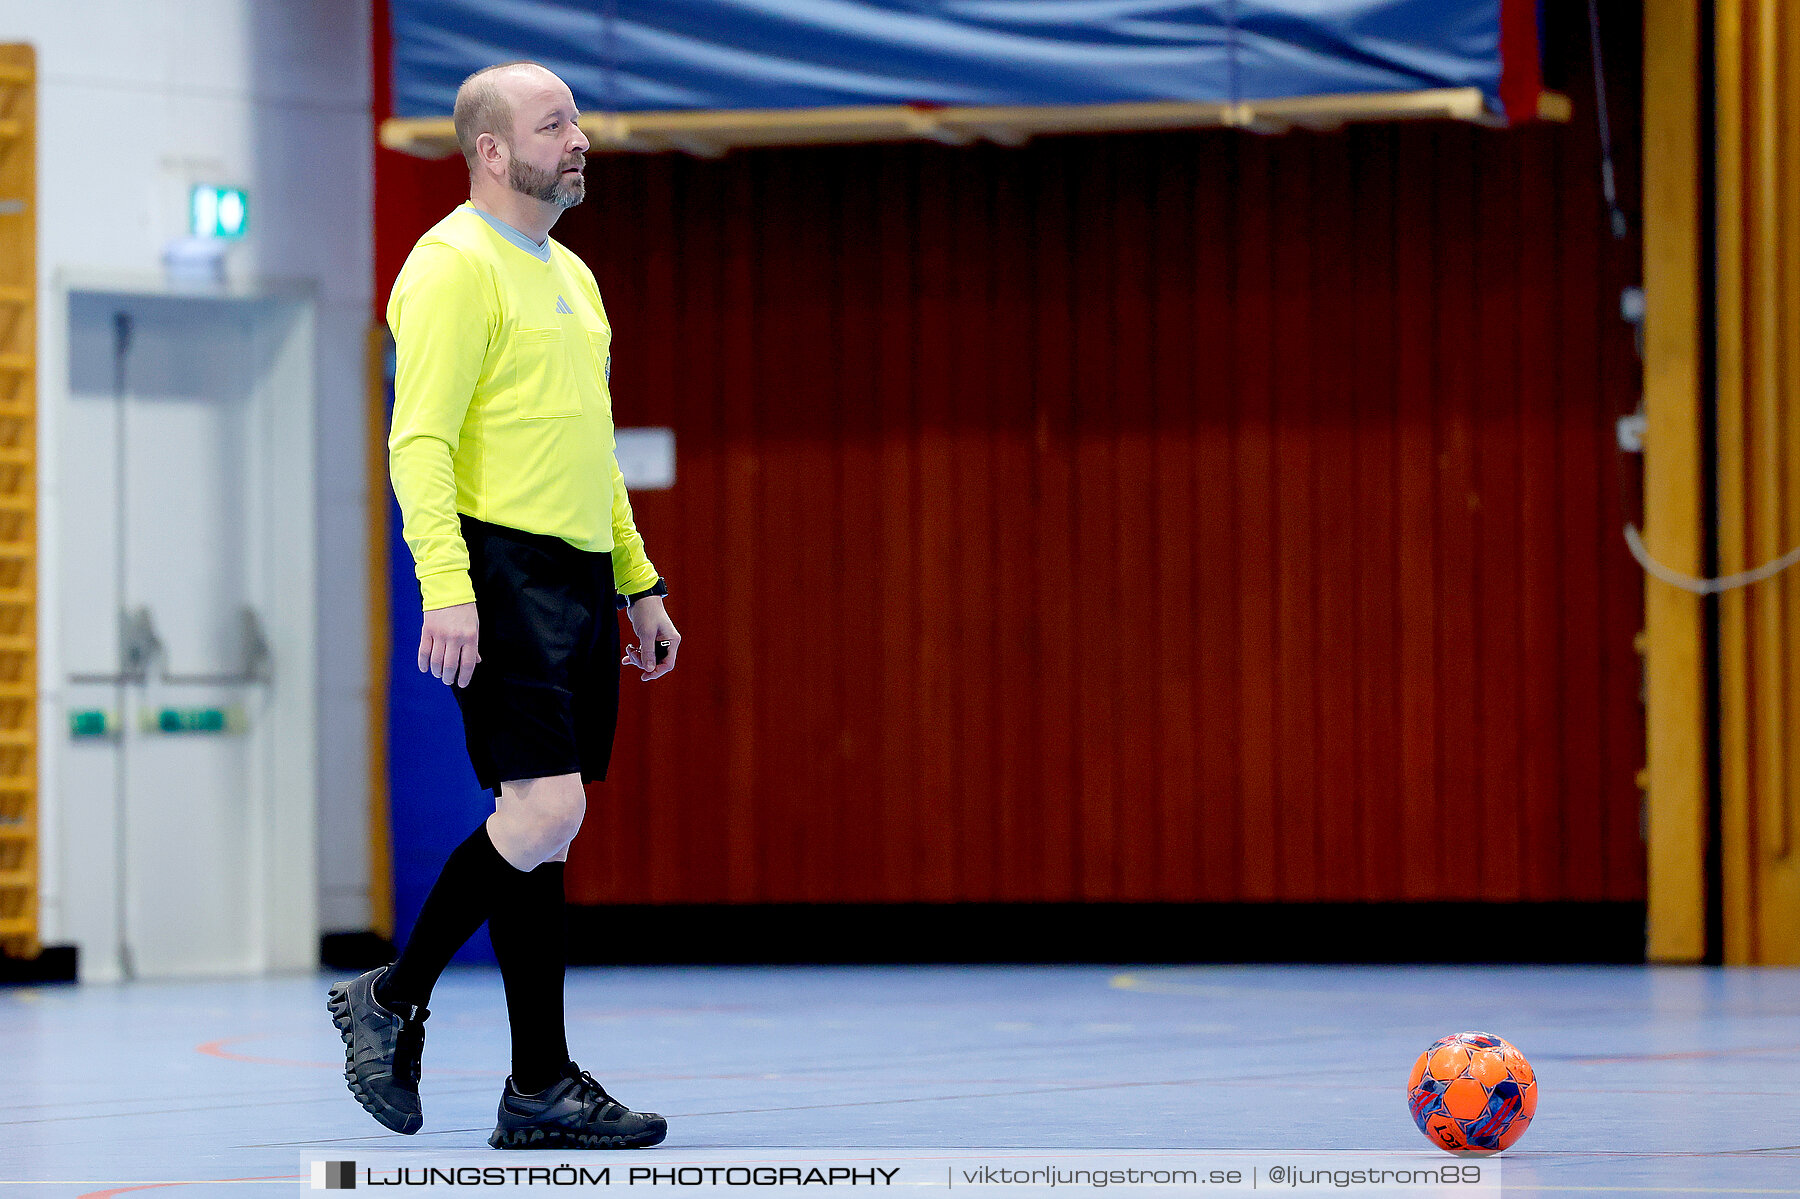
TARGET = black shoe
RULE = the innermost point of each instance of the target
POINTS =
(381, 1051)
(575, 1113)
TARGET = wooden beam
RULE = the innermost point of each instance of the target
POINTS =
(1734, 554)
(1674, 663)
(1757, 185)
(1781, 909)
(716, 131)
(1771, 207)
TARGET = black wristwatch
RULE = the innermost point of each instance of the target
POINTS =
(661, 588)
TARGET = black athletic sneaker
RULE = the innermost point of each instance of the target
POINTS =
(575, 1113)
(381, 1051)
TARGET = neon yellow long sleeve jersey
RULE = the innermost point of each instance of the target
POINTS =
(501, 405)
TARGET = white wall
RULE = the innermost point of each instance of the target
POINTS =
(137, 101)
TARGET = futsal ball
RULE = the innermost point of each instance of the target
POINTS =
(1472, 1093)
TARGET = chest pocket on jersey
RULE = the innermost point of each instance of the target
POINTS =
(543, 378)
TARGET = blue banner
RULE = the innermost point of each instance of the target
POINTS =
(663, 55)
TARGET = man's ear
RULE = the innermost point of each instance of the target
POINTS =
(488, 149)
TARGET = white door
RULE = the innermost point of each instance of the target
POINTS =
(182, 658)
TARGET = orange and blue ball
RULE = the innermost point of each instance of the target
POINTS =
(1472, 1093)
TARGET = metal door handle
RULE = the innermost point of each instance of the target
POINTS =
(139, 646)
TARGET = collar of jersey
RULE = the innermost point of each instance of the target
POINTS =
(541, 253)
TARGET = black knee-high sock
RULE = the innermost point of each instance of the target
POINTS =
(529, 926)
(459, 901)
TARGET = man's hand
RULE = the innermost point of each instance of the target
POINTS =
(650, 621)
(447, 643)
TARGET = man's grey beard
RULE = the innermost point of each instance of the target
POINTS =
(548, 186)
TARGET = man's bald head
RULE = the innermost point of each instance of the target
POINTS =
(519, 132)
(484, 102)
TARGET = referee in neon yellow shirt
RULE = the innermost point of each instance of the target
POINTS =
(522, 535)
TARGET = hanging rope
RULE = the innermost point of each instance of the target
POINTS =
(1675, 578)
(1606, 144)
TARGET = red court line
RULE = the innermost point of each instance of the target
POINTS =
(217, 1049)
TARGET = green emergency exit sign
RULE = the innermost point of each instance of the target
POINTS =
(218, 211)
(192, 720)
(93, 722)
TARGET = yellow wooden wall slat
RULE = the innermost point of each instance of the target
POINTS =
(1674, 663)
(18, 503)
(1765, 465)
(1778, 932)
(1785, 895)
(1758, 382)
(1734, 748)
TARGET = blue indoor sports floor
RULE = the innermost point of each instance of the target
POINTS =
(1655, 1081)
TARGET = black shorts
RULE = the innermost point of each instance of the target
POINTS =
(544, 699)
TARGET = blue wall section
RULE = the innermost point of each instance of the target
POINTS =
(639, 55)
(434, 800)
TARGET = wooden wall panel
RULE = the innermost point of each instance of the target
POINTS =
(1757, 54)
(1676, 700)
(1171, 517)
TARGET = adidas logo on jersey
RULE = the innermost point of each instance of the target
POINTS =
(562, 305)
